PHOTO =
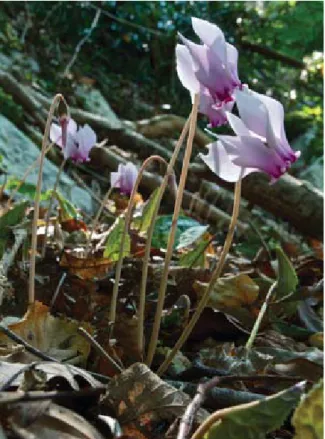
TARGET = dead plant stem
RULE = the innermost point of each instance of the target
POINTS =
(31, 289)
(260, 316)
(171, 239)
(215, 275)
(96, 219)
(128, 215)
(145, 264)
(48, 213)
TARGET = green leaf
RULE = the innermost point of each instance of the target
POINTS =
(195, 257)
(113, 243)
(308, 417)
(26, 189)
(163, 226)
(8, 220)
(287, 278)
(12, 217)
(145, 220)
(68, 209)
(189, 236)
(255, 420)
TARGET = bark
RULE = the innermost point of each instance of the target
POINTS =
(290, 199)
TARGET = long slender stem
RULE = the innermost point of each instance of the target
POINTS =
(27, 172)
(128, 215)
(171, 239)
(215, 275)
(260, 316)
(31, 289)
(96, 219)
(48, 213)
(145, 264)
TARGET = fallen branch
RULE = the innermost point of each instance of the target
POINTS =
(290, 199)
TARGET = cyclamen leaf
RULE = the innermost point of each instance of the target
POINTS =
(113, 243)
(68, 211)
(195, 257)
(308, 417)
(148, 210)
(255, 420)
(162, 229)
(189, 236)
(287, 278)
(12, 218)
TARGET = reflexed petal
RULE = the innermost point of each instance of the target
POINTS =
(185, 69)
(212, 36)
(253, 112)
(218, 161)
(56, 134)
(130, 176)
(124, 178)
(232, 60)
(86, 139)
(71, 148)
(72, 126)
(252, 153)
(237, 125)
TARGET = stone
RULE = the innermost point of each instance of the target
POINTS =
(92, 100)
(314, 173)
(19, 152)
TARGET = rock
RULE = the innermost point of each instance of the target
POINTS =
(19, 152)
(93, 101)
(314, 173)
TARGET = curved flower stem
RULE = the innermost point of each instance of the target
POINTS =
(31, 289)
(128, 215)
(27, 172)
(215, 275)
(48, 213)
(96, 219)
(171, 239)
(260, 316)
(145, 264)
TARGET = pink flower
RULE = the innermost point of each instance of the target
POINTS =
(260, 145)
(76, 143)
(124, 178)
(209, 69)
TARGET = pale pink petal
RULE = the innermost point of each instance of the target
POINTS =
(218, 161)
(185, 69)
(72, 127)
(237, 125)
(253, 112)
(251, 152)
(212, 36)
(86, 139)
(232, 60)
(56, 134)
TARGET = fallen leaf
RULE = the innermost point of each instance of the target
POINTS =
(231, 292)
(45, 419)
(139, 395)
(254, 420)
(90, 267)
(74, 377)
(308, 416)
(54, 336)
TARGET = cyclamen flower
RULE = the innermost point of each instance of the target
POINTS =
(75, 142)
(260, 145)
(124, 178)
(209, 69)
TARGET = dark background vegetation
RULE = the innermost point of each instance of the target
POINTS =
(130, 54)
